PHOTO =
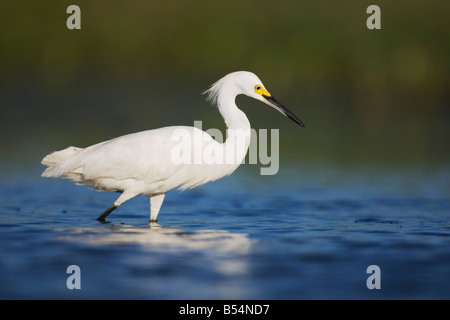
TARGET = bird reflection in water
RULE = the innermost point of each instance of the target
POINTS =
(225, 248)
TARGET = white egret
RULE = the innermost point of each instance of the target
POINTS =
(143, 162)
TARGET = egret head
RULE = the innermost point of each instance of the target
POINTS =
(244, 82)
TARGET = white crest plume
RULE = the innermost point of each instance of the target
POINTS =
(212, 94)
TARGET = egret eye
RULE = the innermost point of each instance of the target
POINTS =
(257, 87)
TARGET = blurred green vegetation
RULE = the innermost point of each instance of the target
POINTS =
(367, 96)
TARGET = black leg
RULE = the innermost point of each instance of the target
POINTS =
(105, 214)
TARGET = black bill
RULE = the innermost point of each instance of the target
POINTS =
(279, 106)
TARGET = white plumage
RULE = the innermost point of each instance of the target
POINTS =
(148, 162)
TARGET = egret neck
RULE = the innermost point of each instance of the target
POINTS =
(238, 127)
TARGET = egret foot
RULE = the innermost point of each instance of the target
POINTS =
(106, 213)
(123, 197)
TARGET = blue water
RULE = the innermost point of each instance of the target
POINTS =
(306, 233)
